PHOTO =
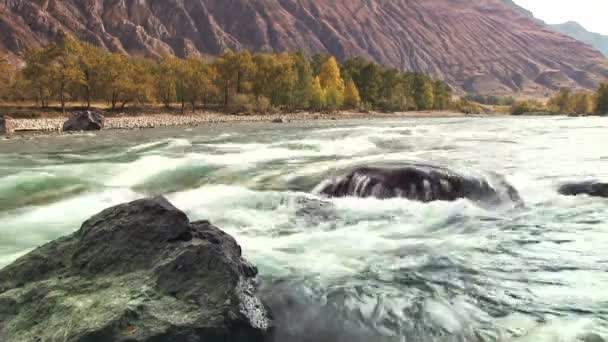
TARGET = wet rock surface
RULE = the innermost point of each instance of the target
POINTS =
(135, 272)
(418, 182)
(84, 121)
(591, 188)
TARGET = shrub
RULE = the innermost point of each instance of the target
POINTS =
(262, 105)
(527, 106)
(242, 104)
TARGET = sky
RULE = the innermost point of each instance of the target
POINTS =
(592, 14)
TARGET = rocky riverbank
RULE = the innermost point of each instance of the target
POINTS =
(200, 118)
(139, 271)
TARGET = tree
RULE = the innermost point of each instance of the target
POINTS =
(352, 100)
(582, 103)
(37, 75)
(332, 84)
(6, 74)
(234, 70)
(601, 99)
(370, 83)
(275, 77)
(442, 95)
(126, 79)
(318, 60)
(303, 90)
(198, 82)
(90, 59)
(562, 101)
(317, 99)
(423, 92)
(166, 74)
(66, 74)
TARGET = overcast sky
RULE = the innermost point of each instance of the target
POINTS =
(593, 14)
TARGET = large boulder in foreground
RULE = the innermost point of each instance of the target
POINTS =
(591, 188)
(135, 272)
(84, 121)
(419, 182)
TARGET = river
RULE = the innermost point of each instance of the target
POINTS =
(355, 269)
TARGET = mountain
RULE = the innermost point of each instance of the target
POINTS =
(479, 46)
(570, 28)
(576, 31)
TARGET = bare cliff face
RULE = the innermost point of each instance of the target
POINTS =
(482, 46)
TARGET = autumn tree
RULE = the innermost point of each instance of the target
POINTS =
(562, 101)
(165, 80)
(582, 103)
(352, 100)
(90, 61)
(318, 60)
(198, 82)
(601, 99)
(234, 71)
(332, 84)
(66, 74)
(126, 79)
(317, 99)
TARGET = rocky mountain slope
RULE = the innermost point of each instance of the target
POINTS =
(482, 46)
(577, 31)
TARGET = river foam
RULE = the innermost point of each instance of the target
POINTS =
(355, 269)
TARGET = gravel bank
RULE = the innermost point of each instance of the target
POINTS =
(201, 118)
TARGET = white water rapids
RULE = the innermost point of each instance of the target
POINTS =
(354, 269)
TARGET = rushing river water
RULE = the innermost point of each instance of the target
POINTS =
(355, 269)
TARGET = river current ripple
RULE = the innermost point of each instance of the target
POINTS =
(354, 269)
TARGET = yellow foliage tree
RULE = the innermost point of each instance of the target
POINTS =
(582, 103)
(352, 99)
(317, 98)
(332, 84)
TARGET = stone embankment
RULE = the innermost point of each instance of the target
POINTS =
(196, 119)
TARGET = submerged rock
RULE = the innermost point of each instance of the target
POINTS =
(135, 272)
(595, 189)
(423, 183)
(84, 121)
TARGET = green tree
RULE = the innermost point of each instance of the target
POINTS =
(423, 92)
(352, 100)
(601, 99)
(370, 83)
(275, 77)
(303, 90)
(442, 95)
(37, 75)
